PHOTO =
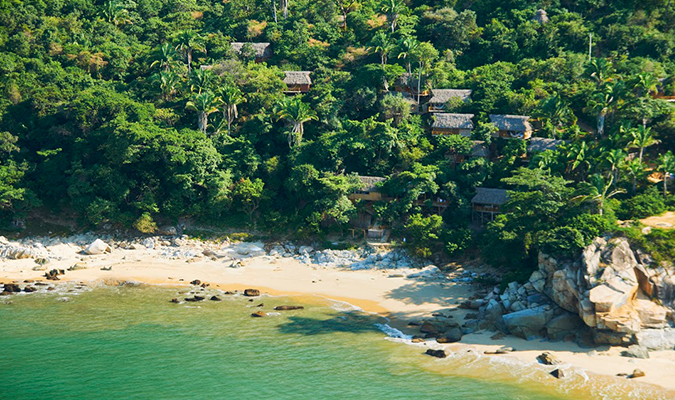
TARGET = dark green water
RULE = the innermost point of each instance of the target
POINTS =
(133, 343)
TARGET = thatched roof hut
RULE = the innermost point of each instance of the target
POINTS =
(512, 126)
(370, 183)
(540, 145)
(540, 16)
(452, 121)
(442, 96)
(479, 149)
(490, 196)
(262, 49)
(294, 78)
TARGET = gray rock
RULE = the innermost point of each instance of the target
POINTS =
(656, 339)
(528, 324)
(636, 351)
(563, 325)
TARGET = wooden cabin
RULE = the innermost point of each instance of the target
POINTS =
(440, 97)
(452, 124)
(478, 150)
(263, 50)
(297, 82)
(369, 189)
(487, 203)
(512, 126)
(407, 84)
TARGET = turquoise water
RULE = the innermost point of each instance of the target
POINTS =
(133, 343)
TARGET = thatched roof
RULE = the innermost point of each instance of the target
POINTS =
(479, 149)
(441, 96)
(539, 144)
(452, 121)
(370, 182)
(516, 123)
(297, 78)
(406, 79)
(262, 49)
(490, 196)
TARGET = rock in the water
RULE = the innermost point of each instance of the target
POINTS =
(251, 292)
(98, 246)
(528, 323)
(175, 301)
(12, 288)
(558, 373)
(285, 308)
(635, 351)
(29, 289)
(196, 282)
(452, 335)
(215, 298)
(637, 373)
(548, 358)
(436, 353)
(259, 314)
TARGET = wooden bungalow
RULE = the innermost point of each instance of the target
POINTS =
(512, 126)
(369, 189)
(540, 145)
(263, 50)
(440, 97)
(478, 150)
(297, 81)
(407, 84)
(487, 203)
(452, 124)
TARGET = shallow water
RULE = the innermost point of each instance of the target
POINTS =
(120, 342)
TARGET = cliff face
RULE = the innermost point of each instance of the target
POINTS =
(614, 292)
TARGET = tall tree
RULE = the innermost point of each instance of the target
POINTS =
(204, 104)
(407, 48)
(187, 42)
(165, 56)
(666, 165)
(296, 113)
(230, 96)
(392, 9)
(382, 44)
(597, 191)
(641, 139)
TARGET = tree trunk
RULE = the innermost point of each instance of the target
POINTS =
(189, 60)
(642, 149)
(203, 121)
(274, 11)
(285, 5)
(601, 123)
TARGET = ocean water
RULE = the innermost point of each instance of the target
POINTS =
(131, 343)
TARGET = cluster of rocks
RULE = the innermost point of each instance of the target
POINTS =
(611, 295)
(441, 327)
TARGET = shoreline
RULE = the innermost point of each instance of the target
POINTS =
(398, 298)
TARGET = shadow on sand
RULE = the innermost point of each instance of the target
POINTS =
(352, 322)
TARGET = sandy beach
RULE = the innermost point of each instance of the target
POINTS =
(385, 292)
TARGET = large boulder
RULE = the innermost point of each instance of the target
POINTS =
(98, 246)
(17, 252)
(529, 323)
(657, 339)
(562, 325)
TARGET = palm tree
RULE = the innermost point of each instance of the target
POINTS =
(187, 42)
(381, 43)
(646, 84)
(115, 13)
(167, 84)
(667, 167)
(600, 103)
(165, 57)
(296, 113)
(556, 111)
(204, 104)
(284, 7)
(408, 47)
(597, 192)
(641, 138)
(636, 169)
(546, 160)
(578, 155)
(230, 97)
(200, 80)
(392, 8)
(615, 158)
(600, 70)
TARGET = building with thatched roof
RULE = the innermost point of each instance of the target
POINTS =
(297, 81)
(408, 83)
(440, 97)
(263, 50)
(540, 16)
(452, 124)
(369, 190)
(512, 126)
(540, 145)
(478, 150)
(487, 203)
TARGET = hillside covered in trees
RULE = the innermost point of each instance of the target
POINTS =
(137, 113)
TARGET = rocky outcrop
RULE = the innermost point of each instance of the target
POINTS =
(98, 246)
(436, 353)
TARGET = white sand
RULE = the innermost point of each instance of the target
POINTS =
(398, 298)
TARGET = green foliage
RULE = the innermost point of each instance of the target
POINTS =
(422, 234)
(145, 223)
(643, 205)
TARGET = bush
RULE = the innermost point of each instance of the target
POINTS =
(421, 234)
(145, 224)
(563, 240)
(457, 240)
(592, 226)
(651, 202)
